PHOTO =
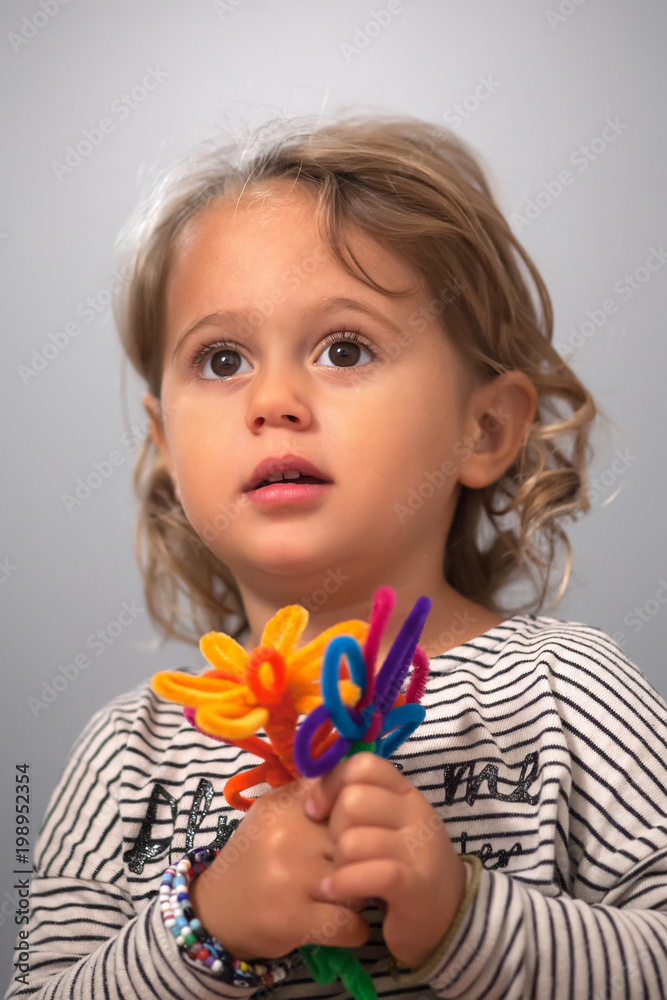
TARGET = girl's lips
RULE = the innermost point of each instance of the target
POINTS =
(282, 463)
(288, 492)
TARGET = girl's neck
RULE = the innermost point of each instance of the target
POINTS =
(446, 627)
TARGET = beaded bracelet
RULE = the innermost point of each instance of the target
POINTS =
(195, 942)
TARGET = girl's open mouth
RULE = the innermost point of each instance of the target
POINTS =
(301, 479)
(299, 490)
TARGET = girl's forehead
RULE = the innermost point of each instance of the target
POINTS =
(256, 204)
(284, 216)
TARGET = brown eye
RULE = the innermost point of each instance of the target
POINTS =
(345, 353)
(223, 363)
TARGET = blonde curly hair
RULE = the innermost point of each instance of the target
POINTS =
(420, 191)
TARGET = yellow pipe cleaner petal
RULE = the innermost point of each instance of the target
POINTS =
(188, 690)
(224, 653)
(350, 692)
(308, 661)
(231, 704)
(284, 629)
(307, 700)
(211, 721)
(307, 703)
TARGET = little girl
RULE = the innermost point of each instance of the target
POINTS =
(350, 386)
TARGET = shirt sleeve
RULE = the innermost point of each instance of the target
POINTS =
(603, 933)
(86, 938)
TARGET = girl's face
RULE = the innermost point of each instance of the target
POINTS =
(380, 418)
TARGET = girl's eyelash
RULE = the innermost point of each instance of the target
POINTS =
(203, 352)
(206, 350)
(354, 335)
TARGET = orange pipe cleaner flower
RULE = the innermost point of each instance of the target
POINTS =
(265, 689)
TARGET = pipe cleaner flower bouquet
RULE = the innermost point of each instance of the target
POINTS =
(270, 688)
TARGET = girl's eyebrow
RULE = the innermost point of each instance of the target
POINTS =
(241, 317)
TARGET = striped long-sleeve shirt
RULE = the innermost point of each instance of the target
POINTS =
(543, 750)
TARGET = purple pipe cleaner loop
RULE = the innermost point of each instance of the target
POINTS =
(397, 664)
(314, 767)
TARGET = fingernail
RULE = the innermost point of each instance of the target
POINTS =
(310, 809)
(325, 886)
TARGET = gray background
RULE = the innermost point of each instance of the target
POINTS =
(555, 78)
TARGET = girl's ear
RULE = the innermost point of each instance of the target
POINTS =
(501, 413)
(153, 409)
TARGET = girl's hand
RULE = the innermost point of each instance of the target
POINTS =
(261, 897)
(389, 843)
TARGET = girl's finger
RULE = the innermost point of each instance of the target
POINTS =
(382, 878)
(368, 806)
(361, 769)
(365, 843)
(334, 924)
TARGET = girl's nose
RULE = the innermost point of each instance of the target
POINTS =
(279, 396)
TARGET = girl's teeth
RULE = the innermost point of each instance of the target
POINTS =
(288, 474)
